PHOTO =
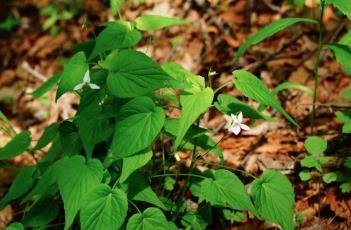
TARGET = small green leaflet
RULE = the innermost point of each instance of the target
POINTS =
(132, 163)
(155, 22)
(269, 31)
(103, 208)
(49, 134)
(344, 117)
(250, 86)
(226, 190)
(230, 105)
(343, 5)
(314, 161)
(16, 146)
(193, 105)
(330, 177)
(76, 178)
(305, 175)
(194, 221)
(343, 55)
(315, 145)
(134, 74)
(273, 196)
(72, 74)
(49, 84)
(150, 219)
(116, 35)
(21, 184)
(292, 85)
(140, 121)
(137, 188)
(15, 226)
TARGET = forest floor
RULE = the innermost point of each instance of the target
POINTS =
(29, 56)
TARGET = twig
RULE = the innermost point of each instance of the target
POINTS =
(33, 72)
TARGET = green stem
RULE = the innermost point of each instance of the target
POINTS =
(228, 168)
(316, 66)
(222, 86)
(135, 206)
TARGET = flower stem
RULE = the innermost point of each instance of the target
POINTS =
(316, 66)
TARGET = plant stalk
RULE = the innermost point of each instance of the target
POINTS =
(316, 66)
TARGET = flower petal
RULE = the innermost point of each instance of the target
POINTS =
(93, 86)
(244, 127)
(234, 118)
(235, 129)
(86, 78)
(79, 86)
(240, 117)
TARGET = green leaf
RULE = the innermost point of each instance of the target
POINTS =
(16, 146)
(156, 22)
(312, 162)
(134, 74)
(305, 175)
(347, 163)
(93, 128)
(183, 78)
(139, 124)
(269, 31)
(46, 86)
(273, 196)
(150, 219)
(117, 35)
(233, 216)
(103, 208)
(116, 6)
(76, 178)
(169, 183)
(193, 105)
(344, 117)
(137, 188)
(346, 187)
(46, 181)
(72, 74)
(343, 6)
(250, 86)
(194, 221)
(230, 105)
(132, 163)
(315, 145)
(298, 3)
(292, 85)
(330, 177)
(343, 55)
(9, 23)
(49, 134)
(41, 213)
(346, 39)
(69, 137)
(226, 190)
(15, 226)
(21, 184)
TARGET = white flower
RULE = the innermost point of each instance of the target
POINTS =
(86, 82)
(235, 124)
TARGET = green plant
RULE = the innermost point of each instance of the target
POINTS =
(110, 164)
(57, 12)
